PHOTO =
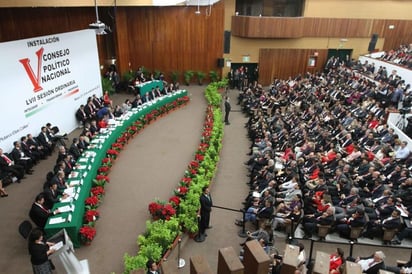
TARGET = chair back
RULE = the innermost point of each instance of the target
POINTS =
(25, 228)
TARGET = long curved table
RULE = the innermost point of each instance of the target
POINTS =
(88, 164)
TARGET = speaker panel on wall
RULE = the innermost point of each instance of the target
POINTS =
(220, 62)
(226, 40)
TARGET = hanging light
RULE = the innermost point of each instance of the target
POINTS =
(197, 12)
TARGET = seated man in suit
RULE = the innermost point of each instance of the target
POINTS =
(21, 158)
(39, 213)
(325, 218)
(371, 264)
(52, 195)
(375, 228)
(8, 165)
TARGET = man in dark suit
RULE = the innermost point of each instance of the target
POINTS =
(36, 146)
(21, 158)
(205, 209)
(74, 149)
(39, 213)
(51, 195)
(81, 115)
(8, 165)
(227, 110)
(34, 155)
(45, 140)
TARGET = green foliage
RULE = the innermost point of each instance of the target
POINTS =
(128, 76)
(188, 74)
(175, 76)
(134, 262)
(157, 73)
(200, 76)
(213, 96)
(108, 85)
(213, 75)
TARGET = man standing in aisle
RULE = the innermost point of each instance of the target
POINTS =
(227, 110)
(205, 209)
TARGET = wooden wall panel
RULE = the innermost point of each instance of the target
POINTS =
(174, 38)
(284, 63)
(286, 27)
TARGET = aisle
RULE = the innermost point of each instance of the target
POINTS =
(150, 167)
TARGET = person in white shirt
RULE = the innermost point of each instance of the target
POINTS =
(403, 152)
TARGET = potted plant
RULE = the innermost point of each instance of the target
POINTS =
(175, 76)
(200, 76)
(214, 77)
(188, 76)
(87, 234)
(107, 85)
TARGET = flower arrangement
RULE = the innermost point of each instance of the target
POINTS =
(112, 153)
(124, 138)
(92, 202)
(97, 191)
(91, 216)
(132, 130)
(175, 201)
(107, 162)
(103, 170)
(181, 191)
(161, 210)
(87, 234)
(185, 181)
(117, 146)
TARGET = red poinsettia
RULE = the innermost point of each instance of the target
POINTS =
(175, 201)
(193, 164)
(103, 170)
(117, 146)
(102, 178)
(161, 210)
(87, 233)
(181, 191)
(92, 202)
(199, 157)
(97, 191)
(91, 215)
(186, 181)
(112, 153)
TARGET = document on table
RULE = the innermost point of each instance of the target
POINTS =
(56, 220)
(74, 183)
(73, 174)
(82, 167)
(83, 160)
(57, 246)
(66, 208)
(67, 200)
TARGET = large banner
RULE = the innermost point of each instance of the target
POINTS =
(45, 80)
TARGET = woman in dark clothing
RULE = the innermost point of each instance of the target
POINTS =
(39, 252)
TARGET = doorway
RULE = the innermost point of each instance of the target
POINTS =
(343, 54)
(241, 81)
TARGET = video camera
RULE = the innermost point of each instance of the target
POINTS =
(404, 110)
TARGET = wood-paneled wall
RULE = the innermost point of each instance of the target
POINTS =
(283, 63)
(287, 27)
(171, 39)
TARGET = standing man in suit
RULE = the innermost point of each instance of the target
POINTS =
(227, 110)
(205, 209)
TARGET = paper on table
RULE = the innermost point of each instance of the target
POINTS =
(82, 167)
(65, 208)
(56, 220)
(74, 183)
(83, 160)
(69, 191)
(73, 174)
(67, 200)
(57, 246)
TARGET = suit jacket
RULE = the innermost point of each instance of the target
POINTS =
(42, 139)
(38, 215)
(205, 204)
(74, 151)
(50, 198)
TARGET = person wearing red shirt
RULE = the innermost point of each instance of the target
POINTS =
(336, 260)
